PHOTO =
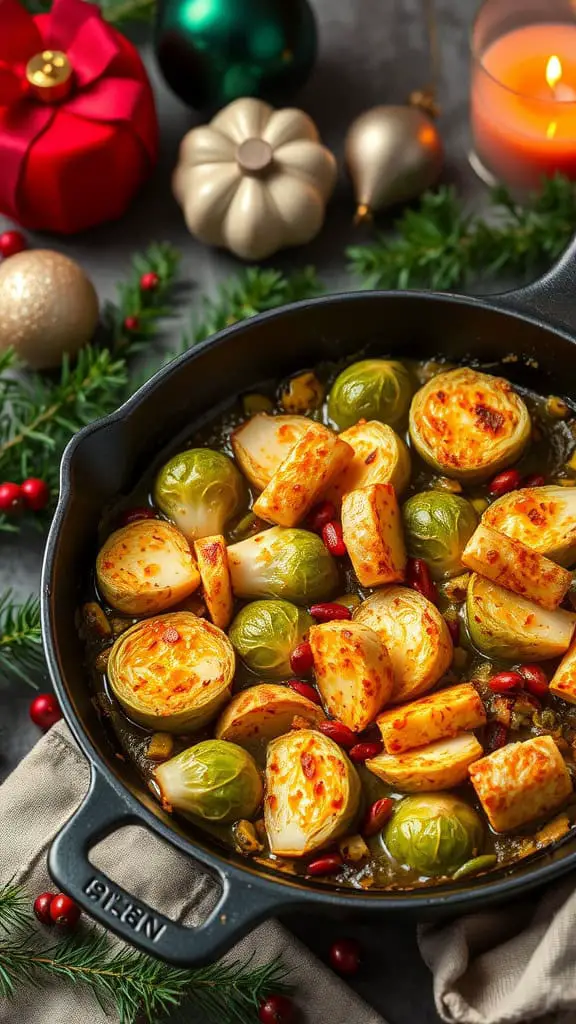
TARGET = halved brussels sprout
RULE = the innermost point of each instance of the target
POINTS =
(468, 424)
(172, 673)
(216, 780)
(262, 443)
(415, 635)
(212, 558)
(440, 765)
(543, 518)
(513, 565)
(200, 490)
(353, 671)
(312, 793)
(380, 457)
(372, 389)
(504, 625)
(437, 527)
(265, 633)
(434, 834)
(146, 567)
(284, 563)
(263, 712)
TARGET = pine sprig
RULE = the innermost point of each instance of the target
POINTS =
(438, 245)
(121, 979)
(21, 653)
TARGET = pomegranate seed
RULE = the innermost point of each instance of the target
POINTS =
(330, 612)
(361, 752)
(496, 736)
(535, 680)
(340, 733)
(454, 630)
(419, 578)
(345, 956)
(505, 681)
(377, 816)
(321, 515)
(509, 480)
(301, 659)
(534, 480)
(305, 690)
(327, 865)
(333, 539)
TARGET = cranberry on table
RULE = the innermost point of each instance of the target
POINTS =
(330, 612)
(509, 480)
(64, 912)
(276, 1010)
(10, 497)
(340, 733)
(149, 282)
(345, 956)
(305, 690)
(12, 242)
(535, 680)
(320, 516)
(377, 816)
(131, 323)
(301, 659)
(334, 539)
(361, 752)
(41, 907)
(36, 493)
(45, 711)
(329, 864)
(504, 681)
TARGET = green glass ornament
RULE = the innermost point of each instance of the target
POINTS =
(214, 51)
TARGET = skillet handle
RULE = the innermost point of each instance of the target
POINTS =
(240, 908)
(552, 298)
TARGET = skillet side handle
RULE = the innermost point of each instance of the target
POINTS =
(241, 906)
(552, 298)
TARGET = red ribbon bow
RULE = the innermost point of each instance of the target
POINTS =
(101, 91)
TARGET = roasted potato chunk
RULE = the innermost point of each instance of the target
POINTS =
(380, 457)
(439, 765)
(436, 717)
(212, 558)
(521, 782)
(263, 712)
(513, 565)
(543, 518)
(372, 529)
(563, 682)
(262, 443)
(353, 671)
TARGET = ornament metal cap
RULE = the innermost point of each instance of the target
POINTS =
(49, 75)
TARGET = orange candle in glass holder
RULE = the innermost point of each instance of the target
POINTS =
(523, 105)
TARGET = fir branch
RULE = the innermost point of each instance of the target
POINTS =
(14, 907)
(438, 245)
(21, 653)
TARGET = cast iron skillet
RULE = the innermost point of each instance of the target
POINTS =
(536, 324)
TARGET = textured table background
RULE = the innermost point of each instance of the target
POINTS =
(371, 51)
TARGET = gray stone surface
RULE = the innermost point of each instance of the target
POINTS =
(372, 51)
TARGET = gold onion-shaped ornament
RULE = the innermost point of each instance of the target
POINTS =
(393, 154)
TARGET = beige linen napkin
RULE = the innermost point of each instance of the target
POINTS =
(39, 797)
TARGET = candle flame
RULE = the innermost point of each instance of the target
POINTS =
(553, 72)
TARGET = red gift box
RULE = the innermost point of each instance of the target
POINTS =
(72, 155)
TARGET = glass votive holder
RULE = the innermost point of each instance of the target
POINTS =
(523, 92)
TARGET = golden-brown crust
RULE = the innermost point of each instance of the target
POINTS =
(438, 716)
(353, 671)
(373, 534)
(516, 567)
(212, 558)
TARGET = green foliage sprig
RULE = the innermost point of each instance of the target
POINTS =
(130, 983)
(21, 654)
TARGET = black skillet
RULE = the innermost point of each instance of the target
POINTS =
(536, 324)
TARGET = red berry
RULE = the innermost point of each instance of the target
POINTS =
(535, 680)
(454, 630)
(36, 493)
(41, 907)
(329, 864)
(276, 1010)
(329, 612)
(333, 539)
(505, 681)
(377, 815)
(12, 242)
(45, 711)
(305, 690)
(131, 323)
(340, 733)
(418, 577)
(320, 516)
(509, 480)
(149, 282)
(301, 659)
(345, 956)
(496, 736)
(10, 497)
(132, 515)
(361, 752)
(64, 912)
(534, 480)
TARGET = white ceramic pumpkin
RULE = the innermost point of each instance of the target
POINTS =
(255, 179)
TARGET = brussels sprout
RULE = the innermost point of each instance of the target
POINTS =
(265, 633)
(373, 389)
(434, 834)
(146, 567)
(468, 424)
(200, 490)
(380, 457)
(415, 635)
(172, 673)
(216, 780)
(312, 793)
(543, 518)
(284, 563)
(437, 527)
(504, 625)
(263, 712)
(262, 443)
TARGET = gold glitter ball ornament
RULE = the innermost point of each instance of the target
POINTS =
(48, 307)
